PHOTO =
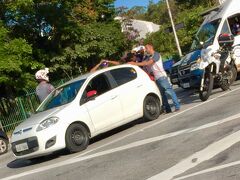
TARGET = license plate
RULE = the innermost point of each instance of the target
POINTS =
(174, 80)
(186, 85)
(21, 147)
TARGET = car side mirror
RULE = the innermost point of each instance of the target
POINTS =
(91, 94)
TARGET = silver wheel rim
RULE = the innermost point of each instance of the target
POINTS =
(3, 146)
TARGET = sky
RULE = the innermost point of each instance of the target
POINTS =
(131, 3)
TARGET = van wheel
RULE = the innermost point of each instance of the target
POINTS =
(77, 138)
(3, 146)
(151, 108)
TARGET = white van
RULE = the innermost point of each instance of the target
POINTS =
(223, 19)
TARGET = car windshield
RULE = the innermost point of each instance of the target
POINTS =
(205, 36)
(61, 96)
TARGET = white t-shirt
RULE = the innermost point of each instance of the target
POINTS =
(157, 68)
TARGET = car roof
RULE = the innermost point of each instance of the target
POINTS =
(92, 74)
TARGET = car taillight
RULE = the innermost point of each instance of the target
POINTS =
(150, 76)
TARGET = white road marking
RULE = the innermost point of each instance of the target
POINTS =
(156, 123)
(125, 147)
(209, 170)
(199, 157)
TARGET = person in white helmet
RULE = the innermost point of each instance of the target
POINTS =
(44, 88)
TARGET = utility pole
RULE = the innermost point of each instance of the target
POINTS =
(174, 29)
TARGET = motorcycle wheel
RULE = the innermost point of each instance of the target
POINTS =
(233, 75)
(227, 80)
(208, 86)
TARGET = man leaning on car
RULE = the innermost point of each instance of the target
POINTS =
(154, 63)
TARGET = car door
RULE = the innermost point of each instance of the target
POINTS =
(129, 89)
(105, 108)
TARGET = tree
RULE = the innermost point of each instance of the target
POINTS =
(65, 35)
(16, 63)
(186, 12)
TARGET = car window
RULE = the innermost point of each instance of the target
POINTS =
(124, 75)
(234, 23)
(99, 83)
(61, 96)
(225, 28)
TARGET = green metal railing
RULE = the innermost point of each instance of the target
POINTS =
(15, 111)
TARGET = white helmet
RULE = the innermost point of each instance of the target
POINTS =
(42, 74)
(138, 48)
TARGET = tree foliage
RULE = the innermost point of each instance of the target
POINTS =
(67, 36)
(16, 62)
(187, 12)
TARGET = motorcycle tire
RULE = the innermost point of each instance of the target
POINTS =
(226, 83)
(208, 87)
(233, 75)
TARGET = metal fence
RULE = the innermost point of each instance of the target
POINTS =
(15, 111)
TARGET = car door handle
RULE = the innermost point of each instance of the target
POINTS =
(140, 85)
(114, 97)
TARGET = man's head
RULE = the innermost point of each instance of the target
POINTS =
(42, 75)
(149, 48)
(130, 57)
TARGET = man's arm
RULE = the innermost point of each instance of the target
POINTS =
(144, 63)
(114, 62)
(95, 68)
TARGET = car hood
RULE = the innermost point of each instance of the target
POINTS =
(39, 117)
(177, 64)
(190, 58)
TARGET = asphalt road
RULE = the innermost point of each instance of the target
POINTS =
(201, 142)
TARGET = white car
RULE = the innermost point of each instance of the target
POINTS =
(86, 107)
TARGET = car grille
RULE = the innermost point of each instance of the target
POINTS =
(174, 71)
(22, 131)
(32, 143)
(184, 70)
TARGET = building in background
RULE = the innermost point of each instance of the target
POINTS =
(137, 29)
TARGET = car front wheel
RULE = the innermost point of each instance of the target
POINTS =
(3, 146)
(77, 138)
(151, 108)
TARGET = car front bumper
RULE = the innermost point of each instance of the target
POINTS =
(191, 80)
(34, 144)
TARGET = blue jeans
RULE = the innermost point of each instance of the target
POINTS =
(166, 89)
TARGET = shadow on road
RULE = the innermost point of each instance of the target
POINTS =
(188, 96)
(21, 163)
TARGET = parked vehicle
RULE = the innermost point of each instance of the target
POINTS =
(3, 142)
(218, 21)
(167, 65)
(86, 107)
(174, 73)
(219, 68)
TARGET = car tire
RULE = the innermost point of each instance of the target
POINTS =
(151, 108)
(77, 138)
(3, 145)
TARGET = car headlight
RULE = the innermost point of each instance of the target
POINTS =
(196, 65)
(47, 123)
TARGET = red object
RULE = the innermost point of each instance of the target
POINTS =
(150, 76)
(226, 40)
(91, 93)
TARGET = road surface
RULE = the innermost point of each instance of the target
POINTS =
(202, 141)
